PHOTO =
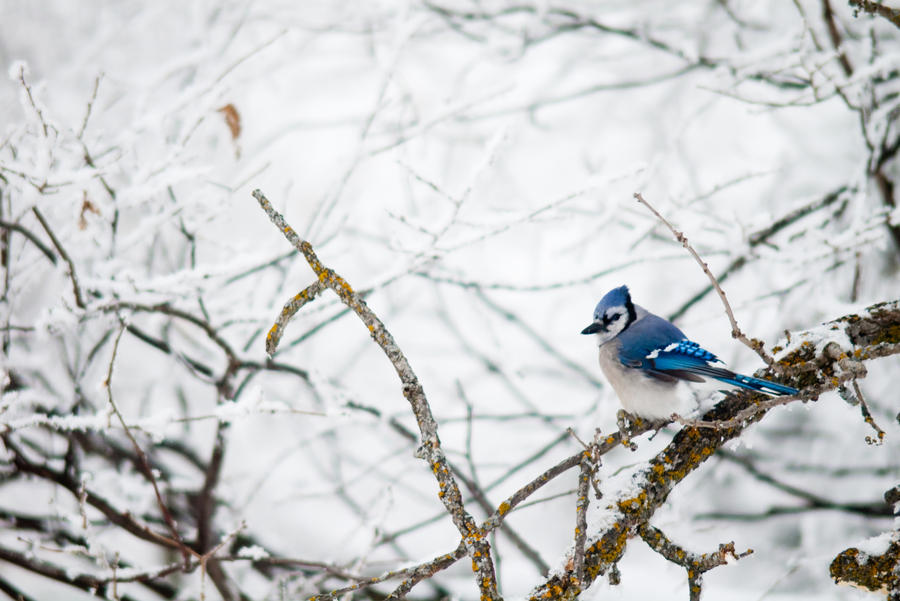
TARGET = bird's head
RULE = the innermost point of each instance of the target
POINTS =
(613, 314)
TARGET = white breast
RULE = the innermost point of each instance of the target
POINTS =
(640, 394)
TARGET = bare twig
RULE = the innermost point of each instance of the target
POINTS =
(167, 309)
(290, 309)
(763, 236)
(430, 450)
(145, 464)
(90, 106)
(480, 495)
(867, 415)
(877, 8)
(123, 519)
(810, 500)
(503, 478)
(748, 415)
(736, 332)
(539, 340)
(76, 289)
(835, 36)
(32, 102)
(411, 576)
(32, 238)
(696, 564)
(498, 515)
(581, 507)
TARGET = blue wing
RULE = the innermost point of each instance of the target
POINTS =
(644, 336)
(662, 351)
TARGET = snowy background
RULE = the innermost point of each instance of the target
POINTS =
(470, 166)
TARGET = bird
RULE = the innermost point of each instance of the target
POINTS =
(644, 357)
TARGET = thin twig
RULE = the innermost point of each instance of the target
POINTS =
(736, 332)
(288, 311)
(496, 518)
(811, 501)
(763, 236)
(877, 8)
(411, 576)
(90, 106)
(581, 507)
(696, 564)
(867, 415)
(51, 256)
(749, 414)
(145, 464)
(32, 101)
(76, 289)
(430, 449)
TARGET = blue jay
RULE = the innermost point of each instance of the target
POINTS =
(644, 357)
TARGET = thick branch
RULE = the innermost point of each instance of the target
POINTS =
(873, 333)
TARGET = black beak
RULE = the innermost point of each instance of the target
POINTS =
(592, 329)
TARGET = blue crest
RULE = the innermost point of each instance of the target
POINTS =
(617, 297)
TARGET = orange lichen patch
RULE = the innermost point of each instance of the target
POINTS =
(504, 508)
(632, 504)
(890, 334)
(608, 553)
(344, 285)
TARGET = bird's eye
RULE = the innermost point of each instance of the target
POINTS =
(615, 316)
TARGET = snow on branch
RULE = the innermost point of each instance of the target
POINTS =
(815, 363)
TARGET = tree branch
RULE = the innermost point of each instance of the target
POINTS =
(873, 333)
(430, 450)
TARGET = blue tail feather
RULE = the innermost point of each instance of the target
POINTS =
(759, 385)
